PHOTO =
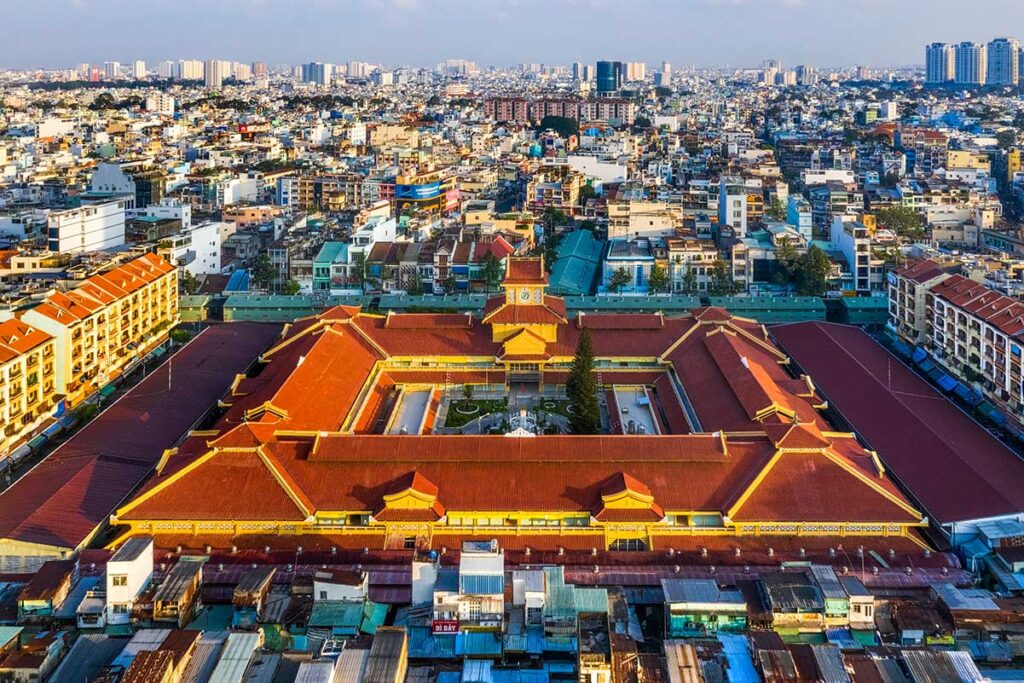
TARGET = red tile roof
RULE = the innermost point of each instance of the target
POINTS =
(956, 469)
(64, 498)
(525, 271)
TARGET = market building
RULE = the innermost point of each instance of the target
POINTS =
(335, 440)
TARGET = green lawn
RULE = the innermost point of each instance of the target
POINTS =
(457, 419)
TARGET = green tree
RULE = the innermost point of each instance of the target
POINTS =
(467, 391)
(776, 211)
(587, 192)
(190, 283)
(492, 271)
(787, 258)
(812, 273)
(690, 281)
(449, 284)
(560, 124)
(291, 288)
(619, 279)
(581, 389)
(263, 272)
(413, 286)
(902, 220)
(179, 336)
(721, 283)
(1006, 138)
(658, 280)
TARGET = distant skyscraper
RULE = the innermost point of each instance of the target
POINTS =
(939, 63)
(318, 73)
(577, 71)
(190, 70)
(259, 69)
(1003, 62)
(635, 72)
(112, 70)
(138, 69)
(806, 75)
(241, 71)
(215, 72)
(609, 77)
(971, 63)
(589, 72)
(166, 69)
(83, 70)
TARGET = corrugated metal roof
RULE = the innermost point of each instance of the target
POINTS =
(481, 584)
(234, 660)
(591, 600)
(830, 663)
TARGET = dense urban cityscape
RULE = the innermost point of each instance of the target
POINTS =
(600, 371)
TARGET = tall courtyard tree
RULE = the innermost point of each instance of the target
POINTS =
(581, 389)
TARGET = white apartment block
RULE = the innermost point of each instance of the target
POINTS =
(197, 249)
(978, 334)
(908, 294)
(92, 227)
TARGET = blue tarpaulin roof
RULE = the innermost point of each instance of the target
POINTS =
(967, 394)
(901, 348)
(926, 365)
(919, 355)
(946, 382)
(992, 413)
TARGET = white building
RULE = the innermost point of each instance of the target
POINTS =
(940, 66)
(732, 205)
(196, 250)
(339, 585)
(138, 69)
(91, 227)
(161, 103)
(129, 572)
(853, 239)
(170, 208)
(971, 63)
(215, 72)
(190, 70)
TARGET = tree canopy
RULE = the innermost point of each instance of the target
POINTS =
(581, 389)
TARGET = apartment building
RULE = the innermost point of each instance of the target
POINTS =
(27, 388)
(978, 334)
(690, 263)
(636, 219)
(92, 227)
(112, 319)
(908, 293)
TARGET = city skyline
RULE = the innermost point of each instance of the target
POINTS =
(867, 32)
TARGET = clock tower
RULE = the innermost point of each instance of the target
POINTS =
(525, 306)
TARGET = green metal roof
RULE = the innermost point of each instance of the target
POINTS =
(740, 303)
(869, 303)
(674, 303)
(592, 600)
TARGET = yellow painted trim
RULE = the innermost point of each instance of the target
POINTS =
(146, 495)
(734, 508)
(283, 484)
(839, 460)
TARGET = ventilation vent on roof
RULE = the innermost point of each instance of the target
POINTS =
(746, 363)
(301, 360)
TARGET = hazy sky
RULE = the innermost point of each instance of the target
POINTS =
(60, 33)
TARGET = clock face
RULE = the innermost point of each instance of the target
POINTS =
(524, 295)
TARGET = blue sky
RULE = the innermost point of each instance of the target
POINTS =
(56, 33)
